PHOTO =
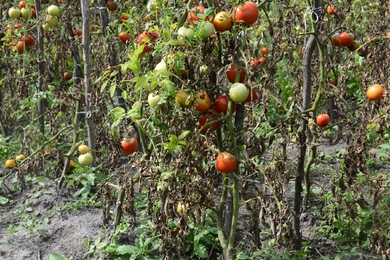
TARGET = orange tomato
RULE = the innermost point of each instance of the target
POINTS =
(226, 162)
(375, 92)
(323, 120)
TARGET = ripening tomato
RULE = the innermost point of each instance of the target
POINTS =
(193, 14)
(33, 12)
(71, 165)
(112, 5)
(264, 51)
(83, 149)
(375, 92)
(183, 98)
(129, 146)
(202, 102)
(245, 14)
(221, 104)
(354, 46)
(10, 163)
(331, 10)
(232, 74)
(226, 162)
(323, 120)
(222, 21)
(67, 75)
(336, 40)
(346, 39)
(124, 37)
(300, 52)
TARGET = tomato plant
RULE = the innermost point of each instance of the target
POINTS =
(221, 104)
(226, 162)
(223, 21)
(202, 102)
(375, 92)
(129, 146)
(232, 74)
(246, 14)
(323, 120)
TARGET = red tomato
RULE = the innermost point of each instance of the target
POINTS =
(129, 146)
(28, 40)
(232, 73)
(67, 75)
(226, 162)
(77, 32)
(222, 21)
(33, 12)
(208, 117)
(146, 39)
(202, 102)
(253, 96)
(20, 46)
(262, 60)
(221, 104)
(123, 18)
(346, 39)
(246, 14)
(124, 37)
(254, 63)
(323, 120)
(375, 92)
(22, 4)
(192, 15)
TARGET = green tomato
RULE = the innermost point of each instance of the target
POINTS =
(52, 20)
(206, 29)
(85, 159)
(153, 100)
(185, 32)
(46, 27)
(203, 69)
(53, 10)
(26, 13)
(238, 92)
(14, 12)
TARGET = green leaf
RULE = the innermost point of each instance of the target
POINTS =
(184, 134)
(135, 111)
(55, 256)
(168, 86)
(126, 249)
(118, 113)
(3, 200)
(103, 87)
(112, 90)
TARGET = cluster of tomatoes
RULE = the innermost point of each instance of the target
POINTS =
(254, 63)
